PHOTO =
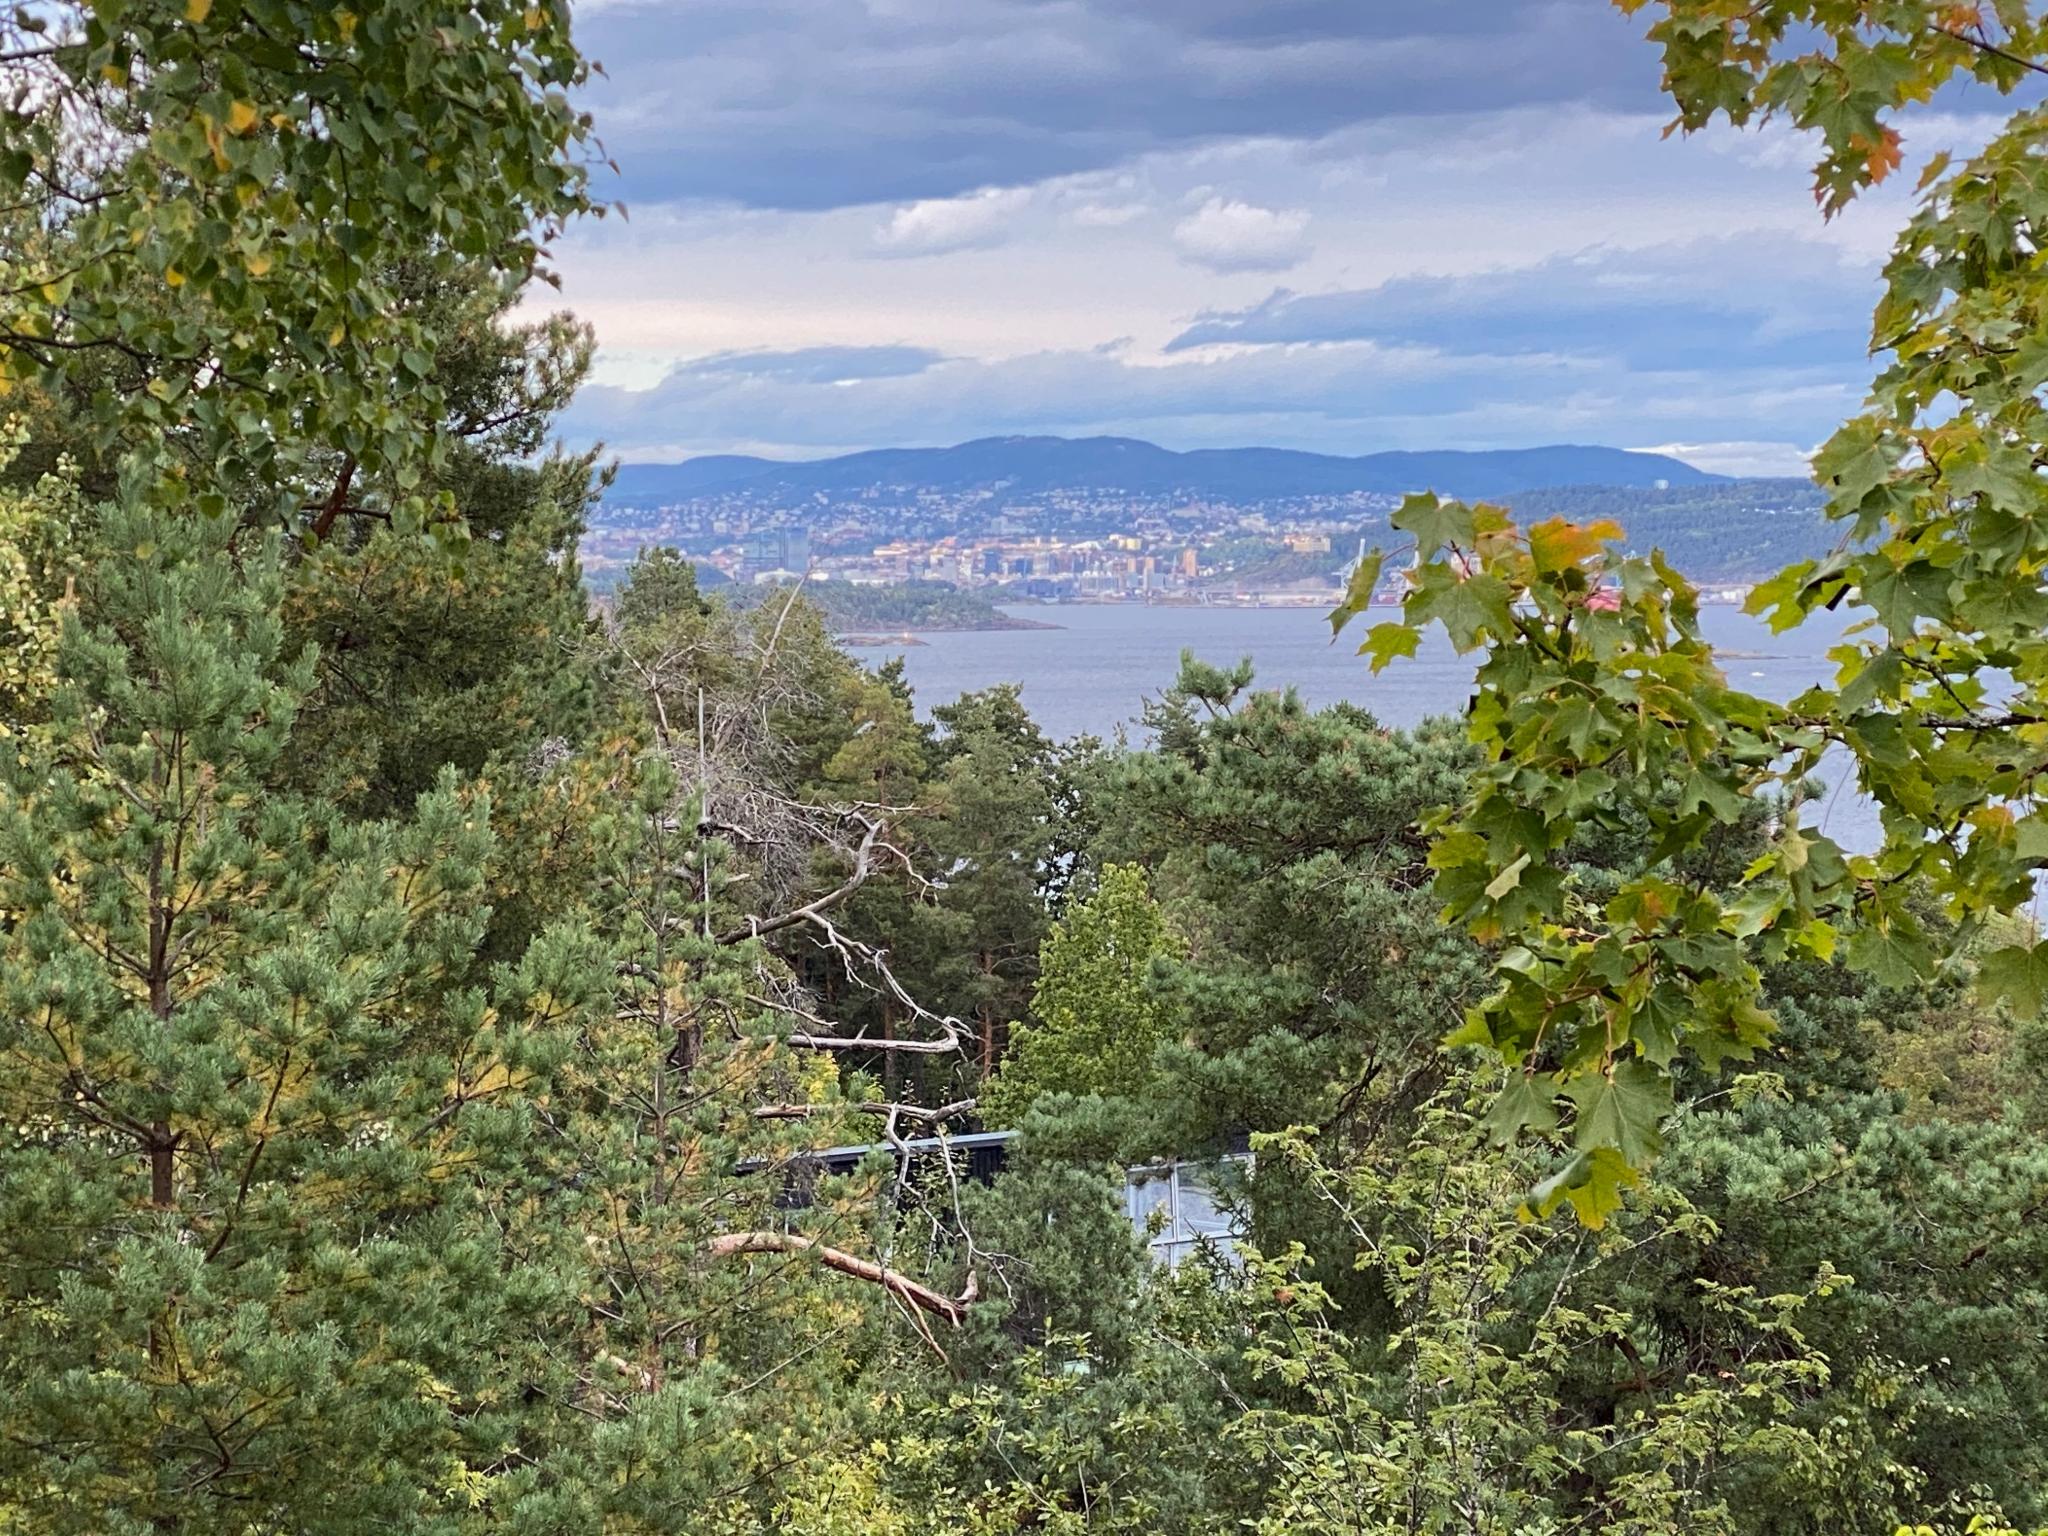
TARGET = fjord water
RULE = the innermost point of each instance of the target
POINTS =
(1094, 672)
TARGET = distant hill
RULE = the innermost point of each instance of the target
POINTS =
(1032, 466)
(1729, 532)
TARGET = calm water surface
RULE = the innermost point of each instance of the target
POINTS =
(1093, 673)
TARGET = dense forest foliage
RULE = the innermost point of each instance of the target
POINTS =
(433, 1015)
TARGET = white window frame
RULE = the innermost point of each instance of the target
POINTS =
(1176, 1238)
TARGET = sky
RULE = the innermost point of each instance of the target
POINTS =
(1338, 225)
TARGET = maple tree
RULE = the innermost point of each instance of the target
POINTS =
(1599, 703)
(213, 201)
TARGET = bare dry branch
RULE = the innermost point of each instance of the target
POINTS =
(924, 1298)
(915, 1112)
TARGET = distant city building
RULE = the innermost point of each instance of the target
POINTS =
(771, 550)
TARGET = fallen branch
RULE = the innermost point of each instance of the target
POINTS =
(820, 1040)
(906, 1111)
(923, 1297)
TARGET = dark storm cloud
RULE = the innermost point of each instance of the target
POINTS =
(808, 104)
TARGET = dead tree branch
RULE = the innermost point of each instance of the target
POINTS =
(952, 1308)
(917, 1112)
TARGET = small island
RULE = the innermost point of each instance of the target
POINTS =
(860, 612)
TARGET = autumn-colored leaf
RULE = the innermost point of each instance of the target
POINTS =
(1880, 155)
(1558, 544)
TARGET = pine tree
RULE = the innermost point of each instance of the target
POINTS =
(991, 834)
(248, 1108)
(1282, 843)
(660, 585)
(40, 524)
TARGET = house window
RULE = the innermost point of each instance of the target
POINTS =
(1177, 1206)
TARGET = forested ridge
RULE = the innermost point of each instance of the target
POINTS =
(426, 1002)
(1732, 532)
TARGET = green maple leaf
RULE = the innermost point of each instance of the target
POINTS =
(1854, 461)
(1468, 609)
(1864, 681)
(1591, 1181)
(1384, 642)
(1893, 953)
(1435, 523)
(1657, 1023)
(2018, 974)
(1526, 1103)
(2003, 477)
(2031, 836)
(1507, 879)
(1781, 598)
(1621, 1109)
(1894, 595)
(1365, 578)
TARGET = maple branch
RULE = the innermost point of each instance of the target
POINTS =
(324, 523)
(1985, 45)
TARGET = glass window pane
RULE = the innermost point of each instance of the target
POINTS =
(1197, 1210)
(1145, 1193)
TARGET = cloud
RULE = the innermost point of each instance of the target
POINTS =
(937, 226)
(1106, 215)
(837, 103)
(814, 365)
(1785, 460)
(1738, 301)
(1225, 235)
(1472, 256)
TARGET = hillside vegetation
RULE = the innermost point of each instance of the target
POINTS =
(1728, 532)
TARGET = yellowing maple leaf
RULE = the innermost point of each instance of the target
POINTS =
(1557, 544)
